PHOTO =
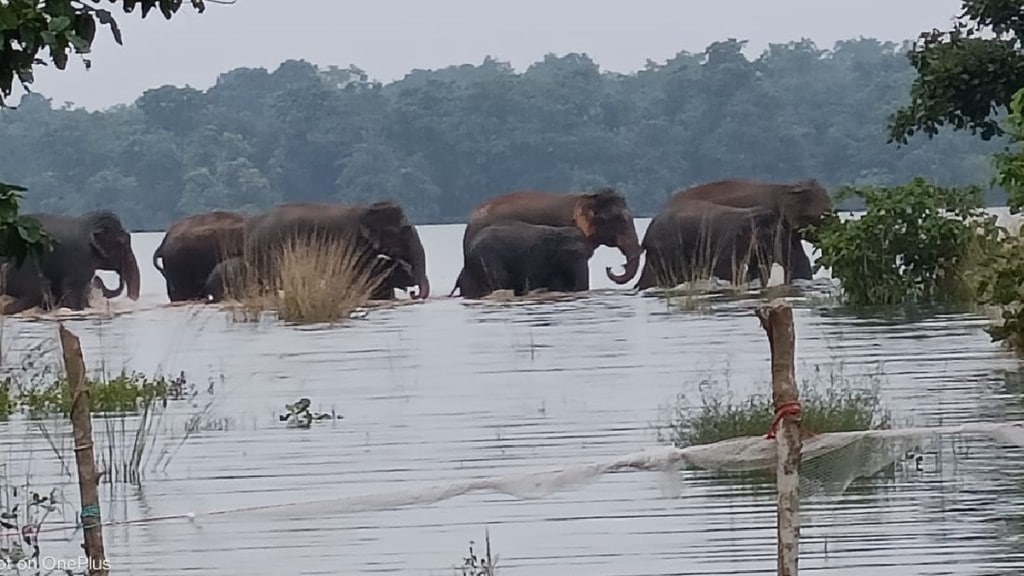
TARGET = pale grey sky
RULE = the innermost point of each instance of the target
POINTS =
(390, 38)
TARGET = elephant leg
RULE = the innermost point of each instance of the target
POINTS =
(648, 277)
(799, 265)
(21, 304)
(500, 277)
(75, 299)
(580, 277)
(458, 282)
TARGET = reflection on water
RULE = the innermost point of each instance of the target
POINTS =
(447, 390)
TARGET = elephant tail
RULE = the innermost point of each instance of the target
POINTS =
(159, 254)
(458, 283)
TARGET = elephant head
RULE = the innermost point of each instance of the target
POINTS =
(111, 247)
(386, 227)
(803, 204)
(606, 220)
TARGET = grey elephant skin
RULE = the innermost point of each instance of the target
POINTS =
(522, 257)
(694, 239)
(193, 246)
(602, 216)
(795, 206)
(377, 229)
(226, 275)
(64, 275)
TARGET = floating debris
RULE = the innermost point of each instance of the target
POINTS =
(299, 416)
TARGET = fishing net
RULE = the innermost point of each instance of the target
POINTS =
(830, 462)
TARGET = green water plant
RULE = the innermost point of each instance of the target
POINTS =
(125, 393)
(1001, 273)
(829, 402)
(917, 245)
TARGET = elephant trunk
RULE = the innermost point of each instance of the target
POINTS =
(629, 245)
(418, 260)
(130, 275)
(107, 292)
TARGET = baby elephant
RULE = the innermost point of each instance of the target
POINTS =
(227, 273)
(523, 257)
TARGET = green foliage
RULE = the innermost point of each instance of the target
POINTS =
(1010, 164)
(829, 403)
(125, 393)
(1000, 285)
(8, 405)
(966, 73)
(1001, 276)
(20, 237)
(441, 141)
(916, 245)
(62, 28)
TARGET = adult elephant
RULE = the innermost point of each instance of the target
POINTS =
(695, 239)
(193, 246)
(797, 205)
(380, 231)
(602, 216)
(64, 274)
(521, 257)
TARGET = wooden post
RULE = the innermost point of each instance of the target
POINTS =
(88, 481)
(777, 322)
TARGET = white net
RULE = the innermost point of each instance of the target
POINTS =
(830, 463)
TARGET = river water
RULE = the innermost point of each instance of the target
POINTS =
(448, 390)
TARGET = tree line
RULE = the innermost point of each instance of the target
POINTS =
(442, 141)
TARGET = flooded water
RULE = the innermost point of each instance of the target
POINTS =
(447, 390)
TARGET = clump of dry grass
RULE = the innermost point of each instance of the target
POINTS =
(315, 280)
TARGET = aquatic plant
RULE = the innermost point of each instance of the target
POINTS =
(315, 281)
(1001, 273)
(916, 245)
(125, 393)
(829, 403)
(23, 514)
(473, 565)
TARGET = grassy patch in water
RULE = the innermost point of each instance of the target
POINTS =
(829, 403)
(316, 281)
(123, 394)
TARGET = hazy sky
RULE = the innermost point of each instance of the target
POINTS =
(390, 38)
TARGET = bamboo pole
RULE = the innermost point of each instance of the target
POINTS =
(777, 321)
(88, 481)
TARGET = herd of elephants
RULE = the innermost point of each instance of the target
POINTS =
(519, 241)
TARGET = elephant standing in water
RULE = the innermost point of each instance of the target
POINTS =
(384, 238)
(602, 216)
(193, 246)
(689, 240)
(521, 257)
(796, 206)
(64, 275)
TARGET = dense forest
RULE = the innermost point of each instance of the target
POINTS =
(441, 141)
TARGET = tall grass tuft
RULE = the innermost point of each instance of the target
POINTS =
(829, 403)
(315, 280)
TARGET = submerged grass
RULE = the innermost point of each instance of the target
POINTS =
(473, 565)
(830, 403)
(315, 281)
